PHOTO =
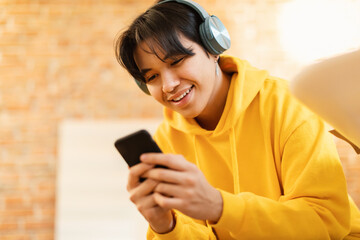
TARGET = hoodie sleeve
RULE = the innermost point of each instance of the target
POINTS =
(185, 228)
(314, 204)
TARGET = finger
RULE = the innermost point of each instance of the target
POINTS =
(142, 190)
(146, 203)
(135, 173)
(172, 190)
(165, 175)
(175, 162)
(166, 202)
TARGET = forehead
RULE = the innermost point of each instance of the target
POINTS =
(144, 56)
(163, 51)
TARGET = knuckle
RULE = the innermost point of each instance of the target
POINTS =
(174, 156)
(185, 204)
(189, 193)
(152, 183)
(192, 166)
(140, 207)
(160, 174)
(132, 197)
(131, 175)
(159, 200)
(160, 187)
(167, 159)
(178, 156)
(189, 181)
(163, 204)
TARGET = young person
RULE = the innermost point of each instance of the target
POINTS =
(244, 159)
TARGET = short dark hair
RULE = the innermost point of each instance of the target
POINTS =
(162, 24)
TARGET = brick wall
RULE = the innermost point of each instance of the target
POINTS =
(57, 62)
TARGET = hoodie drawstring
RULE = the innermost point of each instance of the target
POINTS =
(196, 153)
(235, 165)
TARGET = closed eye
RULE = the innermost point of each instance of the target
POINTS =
(152, 77)
(177, 61)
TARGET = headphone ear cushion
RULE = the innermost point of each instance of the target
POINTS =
(214, 35)
(142, 86)
(205, 39)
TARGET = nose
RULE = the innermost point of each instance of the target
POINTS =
(169, 82)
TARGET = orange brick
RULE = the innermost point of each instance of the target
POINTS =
(43, 200)
(8, 165)
(45, 236)
(9, 178)
(15, 237)
(47, 212)
(5, 227)
(47, 186)
(11, 202)
(17, 213)
(39, 225)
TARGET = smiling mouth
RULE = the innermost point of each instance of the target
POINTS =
(183, 95)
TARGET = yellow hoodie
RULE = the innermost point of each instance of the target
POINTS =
(273, 161)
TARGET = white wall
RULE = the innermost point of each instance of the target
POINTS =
(92, 201)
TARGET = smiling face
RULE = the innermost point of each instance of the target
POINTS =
(186, 84)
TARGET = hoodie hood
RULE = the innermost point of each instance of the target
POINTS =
(246, 81)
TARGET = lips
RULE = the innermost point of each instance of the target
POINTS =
(181, 96)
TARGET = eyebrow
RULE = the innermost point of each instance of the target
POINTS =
(144, 71)
(173, 56)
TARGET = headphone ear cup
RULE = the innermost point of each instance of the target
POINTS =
(205, 41)
(214, 35)
(142, 86)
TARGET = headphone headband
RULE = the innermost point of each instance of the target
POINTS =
(200, 10)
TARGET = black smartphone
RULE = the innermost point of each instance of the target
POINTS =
(133, 145)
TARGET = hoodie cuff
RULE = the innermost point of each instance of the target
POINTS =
(173, 234)
(233, 211)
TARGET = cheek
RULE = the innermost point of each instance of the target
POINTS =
(156, 93)
(201, 71)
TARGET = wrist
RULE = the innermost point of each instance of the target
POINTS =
(168, 226)
(217, 208)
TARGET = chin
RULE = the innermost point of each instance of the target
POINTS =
(188, 114)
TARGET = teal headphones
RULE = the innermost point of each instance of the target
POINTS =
(213, 34)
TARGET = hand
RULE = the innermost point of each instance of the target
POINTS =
(141, 194)
(183, 187)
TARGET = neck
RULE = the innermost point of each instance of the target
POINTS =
(210, 118)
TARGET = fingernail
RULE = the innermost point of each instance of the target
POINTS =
(143, 157)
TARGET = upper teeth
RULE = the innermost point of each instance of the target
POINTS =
(182, 95)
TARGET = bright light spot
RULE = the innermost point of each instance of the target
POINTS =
(313, 29)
